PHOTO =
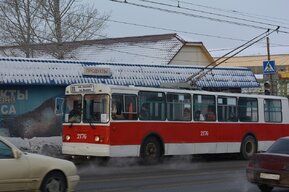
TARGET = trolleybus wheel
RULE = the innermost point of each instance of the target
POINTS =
(150, 151)
(248, 147)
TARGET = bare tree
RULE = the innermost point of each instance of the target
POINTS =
(18, 23)
(51, 21)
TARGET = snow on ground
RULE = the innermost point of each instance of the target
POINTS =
(50, 146)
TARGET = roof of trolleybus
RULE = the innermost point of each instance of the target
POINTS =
(122, 89)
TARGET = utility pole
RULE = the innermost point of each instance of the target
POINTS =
(272, 77)
(269, 59)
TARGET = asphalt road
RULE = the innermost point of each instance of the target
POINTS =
(178, 174)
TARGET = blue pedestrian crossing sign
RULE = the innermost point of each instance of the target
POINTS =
(269, 67)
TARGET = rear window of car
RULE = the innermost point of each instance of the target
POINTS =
(280, 146)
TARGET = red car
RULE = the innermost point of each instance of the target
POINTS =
(271, 168)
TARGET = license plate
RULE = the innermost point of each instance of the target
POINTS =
(269, 176)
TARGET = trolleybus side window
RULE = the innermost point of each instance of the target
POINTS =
(124, 107)
(204, 108)
(272, 110)
(179, 107)
(227, 109)
(248, 109)
(152, 105)
(96, 108)
(72, 109)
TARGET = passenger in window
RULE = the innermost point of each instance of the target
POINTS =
(116, 111)
(75, 113)
(130, 110)
(211, 116)
(232, 117)
(187, 114)
(144, 112)
(198, 116)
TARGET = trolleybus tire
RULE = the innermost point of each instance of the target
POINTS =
(150, 151)
(248, 147)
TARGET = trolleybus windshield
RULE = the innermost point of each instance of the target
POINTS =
(72, 109)
(96, 108)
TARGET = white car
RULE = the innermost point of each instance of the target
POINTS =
(20, 171)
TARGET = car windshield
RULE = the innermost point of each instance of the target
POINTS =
(5, 151)
(280, 146)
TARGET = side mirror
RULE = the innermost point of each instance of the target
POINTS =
(58, 106)
(17, 154)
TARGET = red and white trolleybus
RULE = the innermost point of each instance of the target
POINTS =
(124, 121)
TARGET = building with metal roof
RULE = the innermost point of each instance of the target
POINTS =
(255, 64)
(163, 49)
(20, 71)
(32, 90)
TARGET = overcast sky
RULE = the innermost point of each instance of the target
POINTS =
(217, 23)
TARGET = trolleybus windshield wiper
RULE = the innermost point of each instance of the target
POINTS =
(91, 123)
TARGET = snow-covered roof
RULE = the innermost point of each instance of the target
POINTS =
(150, 49)
(65, 72)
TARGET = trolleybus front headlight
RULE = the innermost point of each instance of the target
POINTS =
(98, 139)
(67, 137)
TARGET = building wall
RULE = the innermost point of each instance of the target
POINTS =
(255, 63)
(29, 111)
(191, 55)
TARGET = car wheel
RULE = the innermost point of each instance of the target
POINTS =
(53, 182)
(265, 188)
(248, 147)
(150, 151)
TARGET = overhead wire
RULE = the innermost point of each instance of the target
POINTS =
(167, 29)
(194, 15)
(235, 12)
(179, 31)
(145, 6)
(203, 72)
(210, 13)
(174, 30)
(185, 32)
